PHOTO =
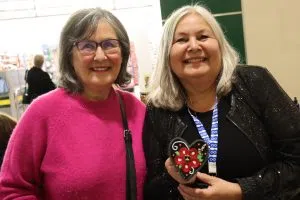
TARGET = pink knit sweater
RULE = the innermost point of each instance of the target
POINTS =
(68, 148)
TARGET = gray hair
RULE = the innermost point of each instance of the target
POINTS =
(81, 25)
(165, 90)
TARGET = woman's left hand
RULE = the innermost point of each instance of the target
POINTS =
(218, 189)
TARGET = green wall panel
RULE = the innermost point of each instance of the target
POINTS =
(232, 26)
(222, 6)
(215, 6)
(167, 6)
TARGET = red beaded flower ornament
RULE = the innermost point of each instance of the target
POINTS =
(188, 159)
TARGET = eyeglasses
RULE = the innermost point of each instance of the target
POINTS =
(87, 47)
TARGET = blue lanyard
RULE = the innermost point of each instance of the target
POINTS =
(212, 141)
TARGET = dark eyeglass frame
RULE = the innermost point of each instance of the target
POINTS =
(106, 50)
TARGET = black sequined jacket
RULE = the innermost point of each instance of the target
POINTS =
(263, 112)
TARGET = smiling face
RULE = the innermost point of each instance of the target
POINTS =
(98, 71)
(195, 53)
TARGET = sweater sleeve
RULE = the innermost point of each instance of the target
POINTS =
(158, 184)
(280, 178)
(20, 176)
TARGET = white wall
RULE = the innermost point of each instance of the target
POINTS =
(27, 35)
(272, 37)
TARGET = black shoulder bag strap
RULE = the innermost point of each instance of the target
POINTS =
(26, 75)
(130, 167)
(26, 83)
(25, 78)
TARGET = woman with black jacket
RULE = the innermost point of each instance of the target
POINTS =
(255, 148)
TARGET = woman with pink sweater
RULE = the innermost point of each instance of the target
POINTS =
(70, 142)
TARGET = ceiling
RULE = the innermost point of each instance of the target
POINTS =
(15, 9)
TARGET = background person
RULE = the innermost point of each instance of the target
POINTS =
(256, 125)
(69, 144)
(39, 81)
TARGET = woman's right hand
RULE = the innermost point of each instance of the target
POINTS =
(218, 188)
(173, 171)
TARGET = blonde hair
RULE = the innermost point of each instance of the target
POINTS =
(38, 60)
(165, 90)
